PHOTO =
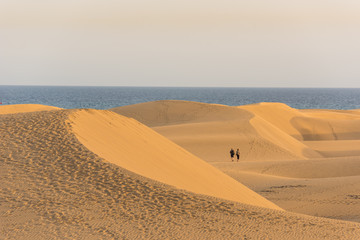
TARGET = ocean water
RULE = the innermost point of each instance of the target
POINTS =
(109, 97)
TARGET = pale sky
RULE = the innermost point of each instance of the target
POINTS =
(207, 43)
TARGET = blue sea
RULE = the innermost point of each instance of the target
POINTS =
(109, 97)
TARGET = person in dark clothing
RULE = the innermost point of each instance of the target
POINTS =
(232, 153)
(237, 154)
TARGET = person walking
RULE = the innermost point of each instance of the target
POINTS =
(238, 154)
(232, 153)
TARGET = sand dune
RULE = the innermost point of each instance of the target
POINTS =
(280, 138)
(314, 168)
(309, 124)
(306, 161)
(337, 148)
(54, 187)
(332, 114)
(19, 108)
(209, 130)
(277, 114)
(263, 132)
(319, 195)
(172, 112)
(130, 145)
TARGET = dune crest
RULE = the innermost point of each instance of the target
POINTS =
(127, 143)
(262, 132)
(210, 130)
(310, 124)
(22, 108)
(173, 112)
(53, 187)
(280, 138)
(278, 114)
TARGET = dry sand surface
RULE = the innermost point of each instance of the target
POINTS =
(135, 147)
(209, 130)
(91, 174)
(305, 161)
(19, 108)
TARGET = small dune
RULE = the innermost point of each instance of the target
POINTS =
(21, 108)
(277, 114)
(174, 112)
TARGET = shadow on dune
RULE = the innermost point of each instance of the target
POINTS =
(312, 129)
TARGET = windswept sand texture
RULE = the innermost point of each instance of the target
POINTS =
(306, 161)
(53, 187)
(128, 144)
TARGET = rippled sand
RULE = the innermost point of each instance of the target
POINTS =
(56, 184)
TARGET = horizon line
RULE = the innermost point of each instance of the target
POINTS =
(41, 85)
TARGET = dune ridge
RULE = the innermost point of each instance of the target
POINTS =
(264, 131)
(330, 133)
(52, 186)
(306, 161)
(20, 108)
(129, 144)
(209, 130)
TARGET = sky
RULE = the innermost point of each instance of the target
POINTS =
(202, 43)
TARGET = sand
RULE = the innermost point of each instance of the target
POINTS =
(305, 161)
(135, 147)
(209, 130)
(79, 174)
(20, 108)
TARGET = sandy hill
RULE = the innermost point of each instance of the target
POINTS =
(278, 114)
(264, 131)
(135, 147)
(173, 112)
(18, 108)
(57, 182)
(307, 161)
(326, 187)
(332, 133)
(210, 130)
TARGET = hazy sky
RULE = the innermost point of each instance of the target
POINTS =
(229, 43)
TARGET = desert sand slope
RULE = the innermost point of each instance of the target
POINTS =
(320, 129)
(264, 131)
(331, 133)
(209, 130)
(319, 194)
(278, 114)
(332, 113)
(313, 168)
(335, 148)
(135, 147)
(19, 108)
(309, 124)
(174, 112)
(52, 187)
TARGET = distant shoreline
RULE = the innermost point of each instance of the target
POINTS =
(70, 97)
(113, 86)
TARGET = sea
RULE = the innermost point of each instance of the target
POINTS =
(108, 97)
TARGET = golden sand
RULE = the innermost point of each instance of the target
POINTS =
(305, 161)
(91, 174)
(21, 108)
